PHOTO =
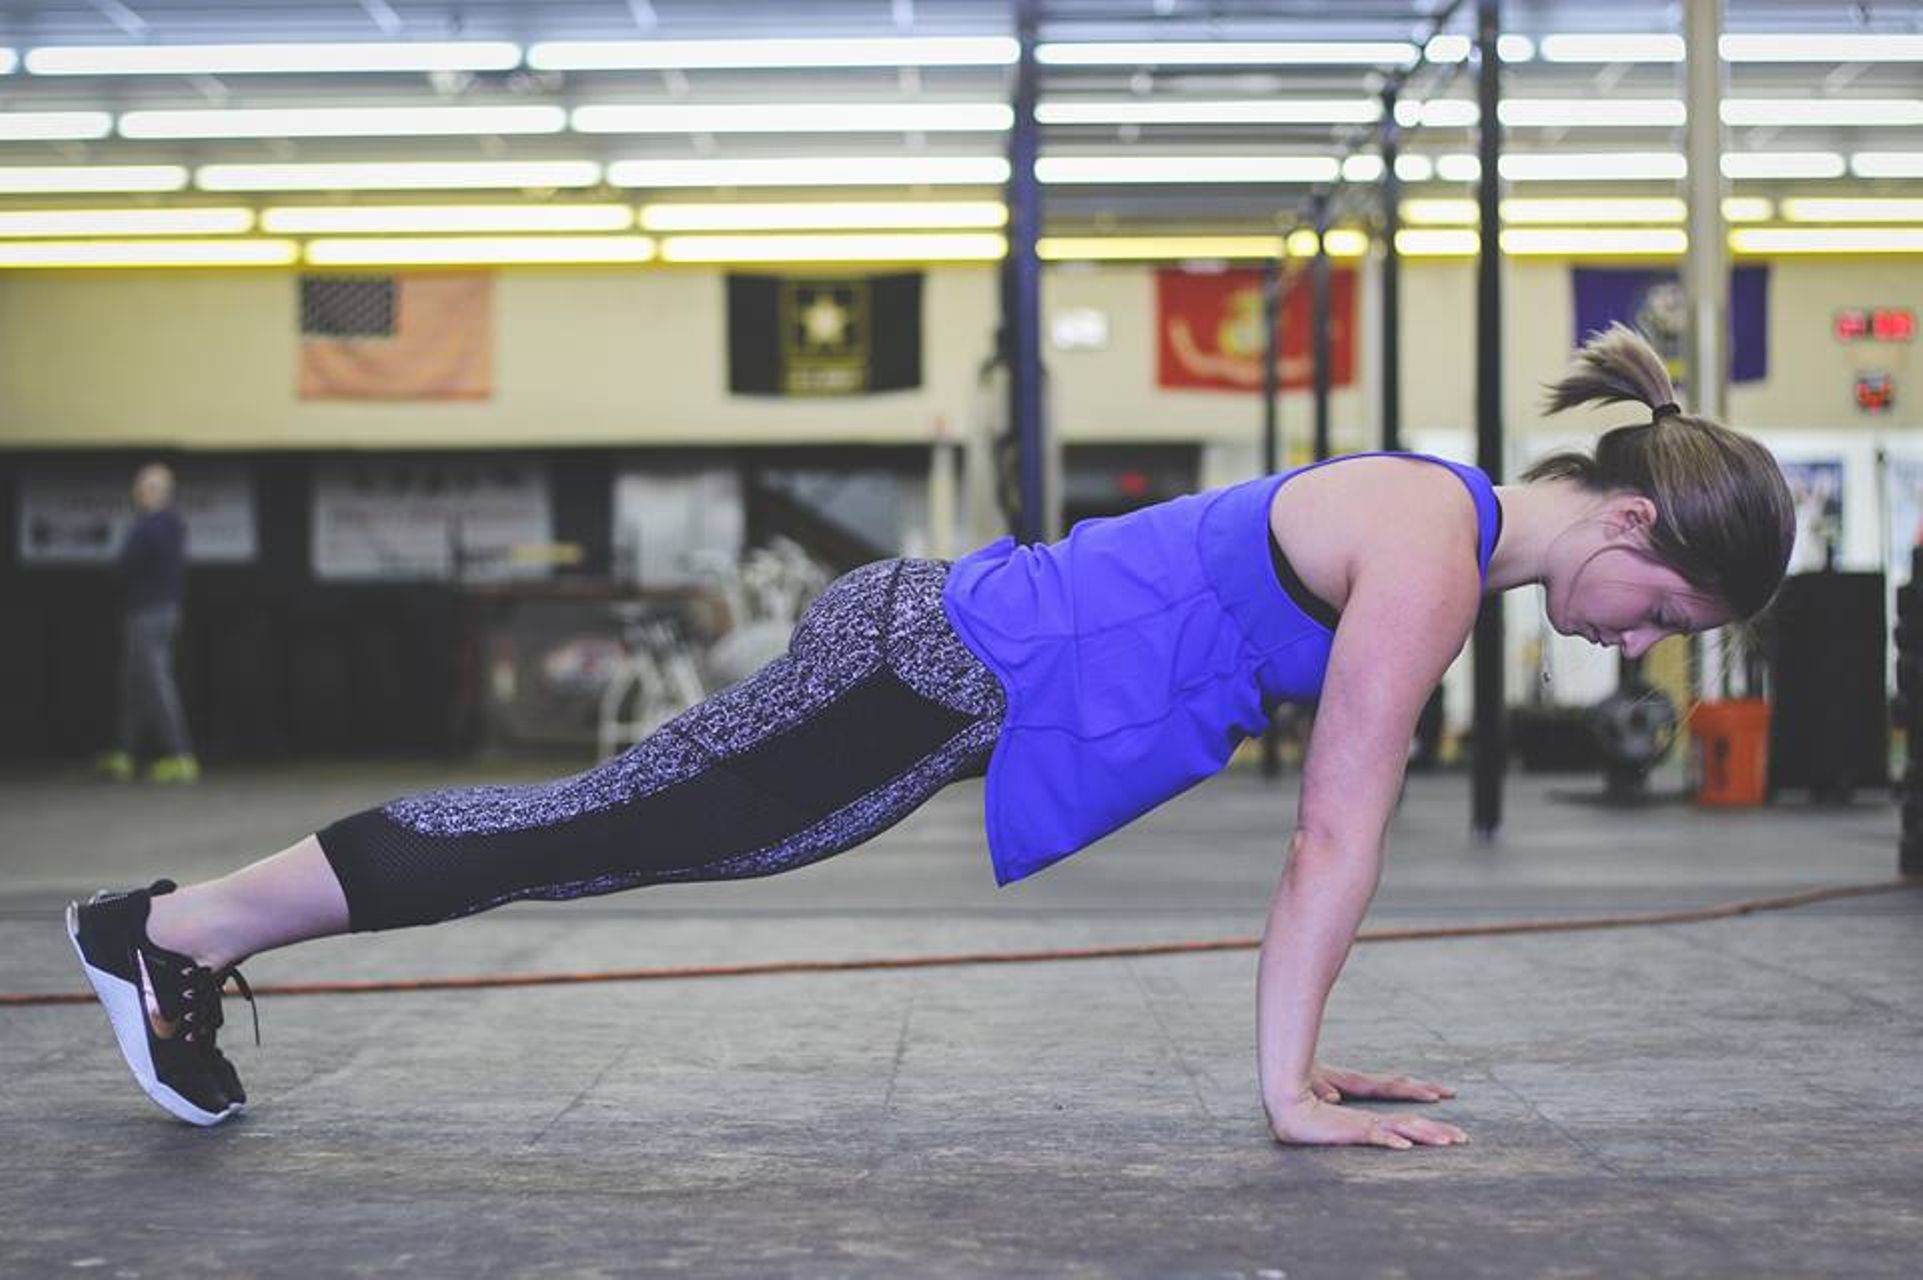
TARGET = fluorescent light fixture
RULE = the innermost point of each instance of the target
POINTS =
(1414, 168)
(1362, 167)
(1074, 170)
(1340, 241)
(397, 176)
(1595, 166)
(1792, 112)
(1611, 48)
(1218, 53)
(1576, 211)
(1440, 213)
(1874, 164)
(342, 122)
(461, 250)
(239, 59)
(8, 61)
(961, 247)
(149, 253)
(1853, 209)
(1157, 248)
(798, 117)
(445, 218)
(663, 55)
(1810, 47)
(1174, 111)
(1782, 164)
(897, 215)
(54, 126)
(824, 171)
(1827, 240)
(1437, 113)
(125, 222)
(1595, 242)
(1586, 113)
(1458, 168)
(1449, 49)
(1579, 212)
(24, 179)
(1434, 242)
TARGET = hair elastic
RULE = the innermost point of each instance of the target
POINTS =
(1668, 410)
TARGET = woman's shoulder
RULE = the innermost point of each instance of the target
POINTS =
(1384, 512)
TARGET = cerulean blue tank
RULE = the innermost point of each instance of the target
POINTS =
(1136, 653)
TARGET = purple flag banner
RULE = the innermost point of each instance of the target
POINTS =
(1652, 302)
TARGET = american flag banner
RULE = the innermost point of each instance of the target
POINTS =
(415, 336)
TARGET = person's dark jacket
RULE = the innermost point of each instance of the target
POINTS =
(154, 560)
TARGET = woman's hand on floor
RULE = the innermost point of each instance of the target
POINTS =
(1333, 1084)
(1309, 1121)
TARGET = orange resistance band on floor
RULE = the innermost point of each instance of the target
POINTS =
(1720, 911)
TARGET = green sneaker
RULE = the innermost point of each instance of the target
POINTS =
(115, 766)
(174, 769)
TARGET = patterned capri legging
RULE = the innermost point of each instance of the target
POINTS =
(876, 706)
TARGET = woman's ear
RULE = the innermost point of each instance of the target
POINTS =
(1631, 514)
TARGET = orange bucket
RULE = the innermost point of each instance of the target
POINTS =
(1729, 752)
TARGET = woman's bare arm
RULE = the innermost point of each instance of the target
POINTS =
(1412, 601)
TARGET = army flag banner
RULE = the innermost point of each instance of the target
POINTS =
(420, 336)
(1209, 330)
(823, 335)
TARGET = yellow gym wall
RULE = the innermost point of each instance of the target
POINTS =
(613, 356)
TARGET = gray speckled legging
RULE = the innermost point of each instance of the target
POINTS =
(876, 706)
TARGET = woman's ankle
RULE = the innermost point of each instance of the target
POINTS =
(178, 922)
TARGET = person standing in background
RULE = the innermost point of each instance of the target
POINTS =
(153, 568)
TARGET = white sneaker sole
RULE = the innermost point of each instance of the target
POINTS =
(128, 1017)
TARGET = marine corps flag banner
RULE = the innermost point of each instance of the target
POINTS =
(1209, 332)
(823, 335)
(427, 336)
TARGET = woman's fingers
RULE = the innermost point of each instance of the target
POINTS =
(1401, 1088)
(1429, 1132)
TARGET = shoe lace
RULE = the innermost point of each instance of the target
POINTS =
(200, 1015)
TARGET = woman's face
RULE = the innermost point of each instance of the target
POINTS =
(1602, 583)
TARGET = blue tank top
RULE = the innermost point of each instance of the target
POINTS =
(1136, 653)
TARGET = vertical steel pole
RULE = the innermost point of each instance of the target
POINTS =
(1022, 302)
(1491, 745)
(1706, 266)
(1271, 437)
(1319, 335)
(1391, 275)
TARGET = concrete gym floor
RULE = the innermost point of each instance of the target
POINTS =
(1734, 1098)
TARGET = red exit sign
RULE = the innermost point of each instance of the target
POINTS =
(1875, 324)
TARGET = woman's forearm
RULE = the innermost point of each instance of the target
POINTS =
(1312, 922)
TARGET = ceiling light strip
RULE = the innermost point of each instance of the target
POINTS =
(399, 176)
(664, 55)
(343, 122)
(826, 216)
(445, 219)
(479, 250)
(59, 179)
(797, 117)
(125, 222)
(148, 253)
(963, 247)
(288, 58)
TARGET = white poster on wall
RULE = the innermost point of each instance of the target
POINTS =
(78, 515)
(677, 528)
(380, 519)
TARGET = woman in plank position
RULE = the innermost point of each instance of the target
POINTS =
(1091, 679)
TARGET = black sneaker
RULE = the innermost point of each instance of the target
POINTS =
(165, 1008)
